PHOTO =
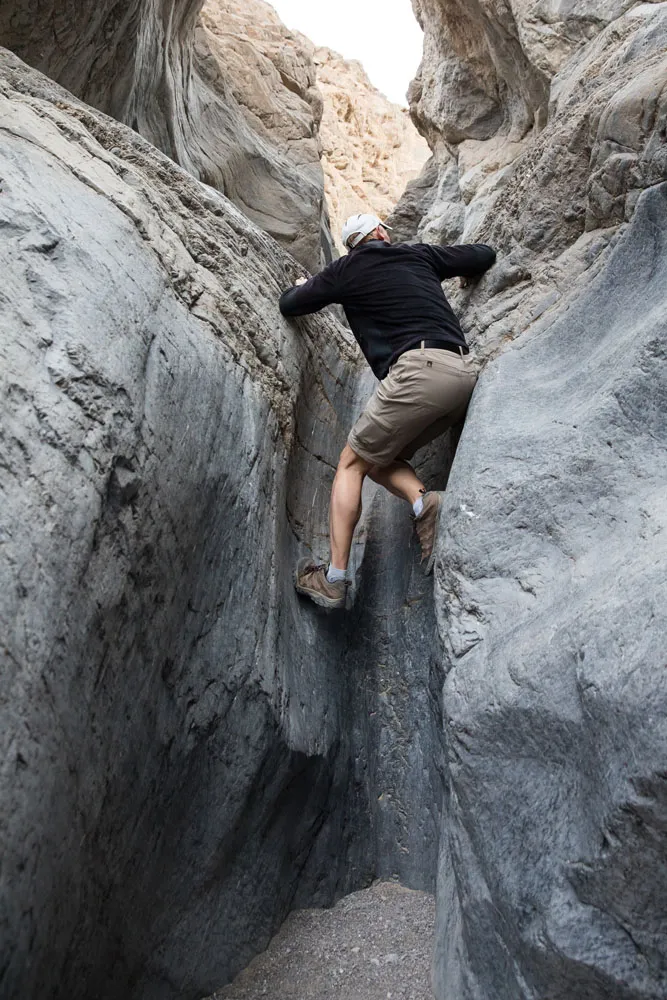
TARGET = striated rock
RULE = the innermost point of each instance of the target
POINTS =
(171, 728)
(551, 602)
(271, 75)
(204, 93)
(546, 124)
(550, 194)
(370, 148)
(190, 751)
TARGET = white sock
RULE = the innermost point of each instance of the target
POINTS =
(418, 506)
(333, 574)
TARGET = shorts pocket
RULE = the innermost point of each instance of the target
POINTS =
(450, 367)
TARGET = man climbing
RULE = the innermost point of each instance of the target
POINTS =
(398, 312)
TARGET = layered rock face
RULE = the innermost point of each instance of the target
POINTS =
(160, 694)
(190, 751)
(199, 90)
(546, 124)
(370, 148)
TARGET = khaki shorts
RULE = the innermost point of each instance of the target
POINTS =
(426, 391)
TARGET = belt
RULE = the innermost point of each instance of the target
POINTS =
(441, 345)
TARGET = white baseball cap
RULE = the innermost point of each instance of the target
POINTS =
(358, 226)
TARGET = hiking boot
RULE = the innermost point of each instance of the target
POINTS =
(427, 528)
(311, 580)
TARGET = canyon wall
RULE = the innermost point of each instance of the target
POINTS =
(550, 591)
(548, 128)
(189, 750)
(238, 110)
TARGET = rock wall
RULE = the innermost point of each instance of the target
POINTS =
(190, 751)
(550, 592)
(546, 181)
(162, 699)
(205, 94)
(546, 123)
(370, 148)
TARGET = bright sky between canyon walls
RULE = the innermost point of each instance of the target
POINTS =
(382, 34)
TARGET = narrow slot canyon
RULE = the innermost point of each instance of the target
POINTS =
(210, 787)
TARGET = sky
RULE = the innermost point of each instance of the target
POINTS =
(382, 34)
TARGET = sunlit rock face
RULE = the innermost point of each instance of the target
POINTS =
(205, 94)
(370, 148)
(547, 125)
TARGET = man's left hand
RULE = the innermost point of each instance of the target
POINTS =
(300, 281)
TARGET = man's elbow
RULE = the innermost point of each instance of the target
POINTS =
(488, 256)
(286, 304)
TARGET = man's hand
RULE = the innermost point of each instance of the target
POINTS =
(300, 281)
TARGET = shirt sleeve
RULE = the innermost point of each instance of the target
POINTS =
(319, 291)
(462, 260)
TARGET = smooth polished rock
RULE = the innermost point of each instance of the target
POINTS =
(190, 749)
(216, 102)
(551, 597)
(175, 724)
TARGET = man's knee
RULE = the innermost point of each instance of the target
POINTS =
(350, 460)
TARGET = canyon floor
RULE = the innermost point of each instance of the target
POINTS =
(373, 945)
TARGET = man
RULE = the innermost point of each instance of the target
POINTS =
(397, 310)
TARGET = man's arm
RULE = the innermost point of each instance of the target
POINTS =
(319, 291)
(461, 261)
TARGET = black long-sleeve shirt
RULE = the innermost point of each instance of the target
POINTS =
(392, 295)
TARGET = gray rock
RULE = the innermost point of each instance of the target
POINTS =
(551, 605)
(156, 68)
(190, 750)
(548, 197)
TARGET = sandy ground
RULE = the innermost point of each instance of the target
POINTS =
(373, 945)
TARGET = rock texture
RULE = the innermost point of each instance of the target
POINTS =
(164, 695)
(269, 71)
(204, 91)
(189, 750)
(370, 148)
(547, 122)
(551, 595)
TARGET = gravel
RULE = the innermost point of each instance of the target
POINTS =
(373, 945)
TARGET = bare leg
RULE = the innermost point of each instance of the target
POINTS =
(345, 507)
(400, 479)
